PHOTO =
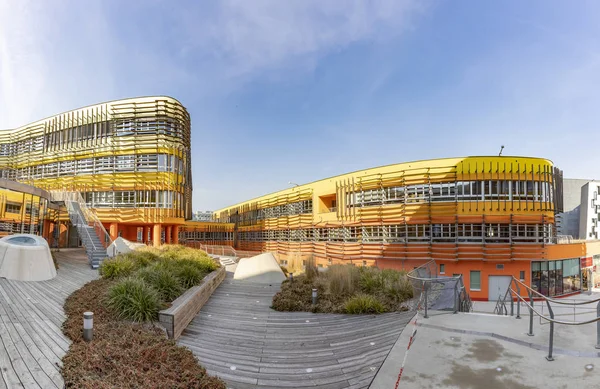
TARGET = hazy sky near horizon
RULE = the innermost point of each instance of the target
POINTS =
(300, 90)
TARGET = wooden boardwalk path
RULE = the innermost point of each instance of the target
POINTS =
(31, 315)
(237, 337)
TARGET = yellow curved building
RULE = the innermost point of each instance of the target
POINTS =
(483, 217)
(129, 159)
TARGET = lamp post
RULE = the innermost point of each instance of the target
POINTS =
(293, 183)
(88, 326)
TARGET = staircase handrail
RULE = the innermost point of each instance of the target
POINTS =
(549, 300)
(89, 215)
(79, 222)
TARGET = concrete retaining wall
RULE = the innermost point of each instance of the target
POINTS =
(186, 307)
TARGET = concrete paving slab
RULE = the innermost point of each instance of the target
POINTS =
(488, 351)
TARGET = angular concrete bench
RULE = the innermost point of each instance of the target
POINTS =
(176, 318)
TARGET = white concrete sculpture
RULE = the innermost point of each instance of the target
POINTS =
(262, 269)
(26, 257)
(122, 246)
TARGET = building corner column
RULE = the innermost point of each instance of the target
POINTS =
(168, 232)
(114, 231)
(156, 235)
(175, 234)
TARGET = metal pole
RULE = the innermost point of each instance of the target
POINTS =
(456, 297)
(530, 333)
(518, 301)
(551, 342)
(314, 297)
(512, 303)
(598, 326)
(425, 287)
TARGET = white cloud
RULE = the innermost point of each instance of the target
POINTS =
(54, 56)
(251, 36)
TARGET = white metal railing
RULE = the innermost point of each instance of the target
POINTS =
(90, 217)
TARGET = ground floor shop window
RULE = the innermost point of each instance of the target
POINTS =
(554, 278)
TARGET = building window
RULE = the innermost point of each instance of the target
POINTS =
(475, 280)
(499, 267)
(13, 208)
(554, 278)
(442, 268)
(522, 275)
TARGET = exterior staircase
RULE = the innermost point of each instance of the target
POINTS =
(95, 250)
(93, 235)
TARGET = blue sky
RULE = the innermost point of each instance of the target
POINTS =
(299, 90)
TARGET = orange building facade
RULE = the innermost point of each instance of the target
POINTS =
(483, 217)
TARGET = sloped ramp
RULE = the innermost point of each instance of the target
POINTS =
(260, 269)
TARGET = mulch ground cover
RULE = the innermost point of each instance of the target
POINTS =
(124, 354)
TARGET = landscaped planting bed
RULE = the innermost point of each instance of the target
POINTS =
(128, 350)
(345, 289)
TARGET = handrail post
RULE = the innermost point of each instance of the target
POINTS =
(530, 333)
(425, 287)
(512, 303)
(598, 326)
(551, 341)
(456, 302)
(518, 301)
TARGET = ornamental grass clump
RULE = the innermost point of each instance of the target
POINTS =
(133, 299)
(345, 289)
(117, 267)
(151, 278)
(167, 284)
(363, 303)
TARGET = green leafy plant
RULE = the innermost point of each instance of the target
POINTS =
(189, 275)
(363, 303)
(117, 267)
(133, 299)
(167, 284)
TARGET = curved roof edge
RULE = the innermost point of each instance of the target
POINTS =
(91, 105)
(222, 209)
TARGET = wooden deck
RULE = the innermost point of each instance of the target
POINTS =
(237, 337)
(31, 314)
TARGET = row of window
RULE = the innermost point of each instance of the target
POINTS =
(296, 208)
(16, 208)
(69, 137)
(486, 190)
(18, 227)
(482, 190)
(100, 165)
(133, 199)
(407, 233)
(205, 235)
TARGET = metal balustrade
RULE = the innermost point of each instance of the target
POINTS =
(513, 295)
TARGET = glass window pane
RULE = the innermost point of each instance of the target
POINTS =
(475, 280)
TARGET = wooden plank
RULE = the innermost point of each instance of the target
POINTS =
(31, 315)
(270, 349)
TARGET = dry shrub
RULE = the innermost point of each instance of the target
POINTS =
(345, 288)
(122, 354)
(342, 279)
(310, 269)
(133, 356)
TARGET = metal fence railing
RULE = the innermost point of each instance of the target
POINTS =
(225, 251)
(439, 292)
(514, 297)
